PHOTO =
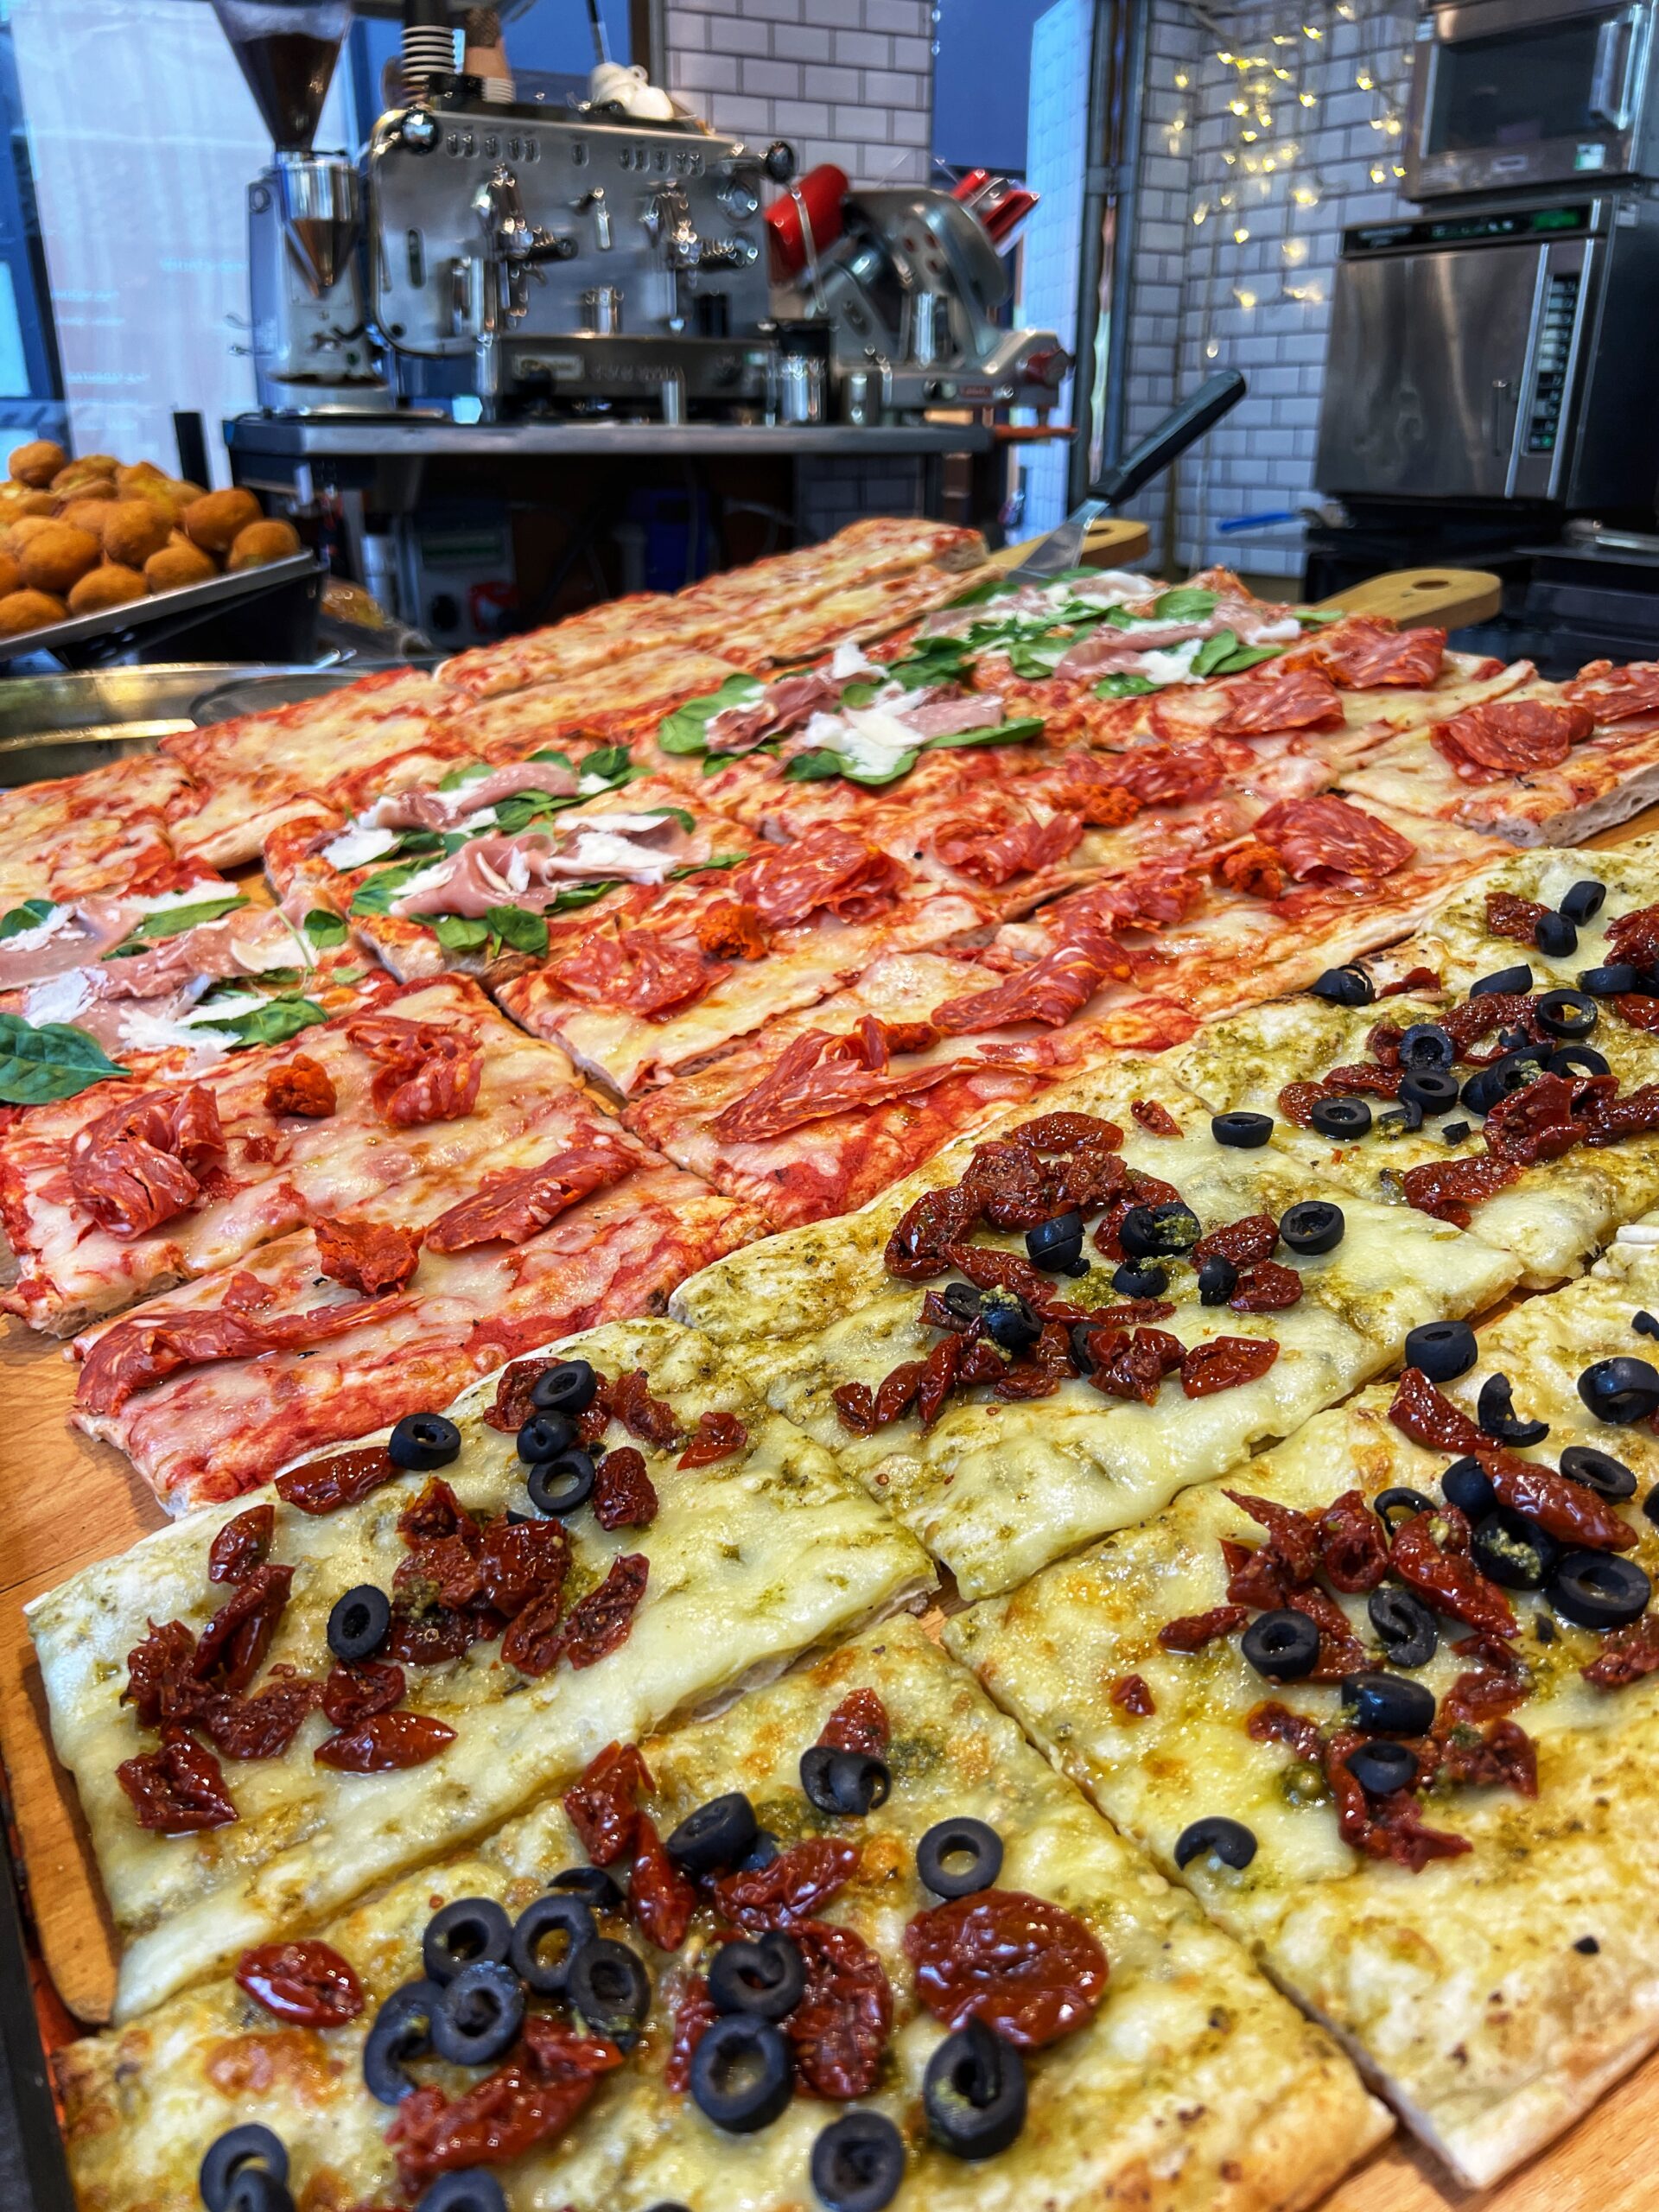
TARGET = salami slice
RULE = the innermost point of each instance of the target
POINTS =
(1291, 698)
(1329, 836)
(1051, 990)
(1616, 694)
(1509, 737)
(1364, 654)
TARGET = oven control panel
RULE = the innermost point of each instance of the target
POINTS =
(1553, 358)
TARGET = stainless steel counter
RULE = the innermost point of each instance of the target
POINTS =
(254, 438)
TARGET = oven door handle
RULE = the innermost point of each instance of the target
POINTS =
(1505, 398)
(1610, 83)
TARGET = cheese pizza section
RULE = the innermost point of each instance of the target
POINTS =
(528, 1645)
(1394, 1716)
(1164, 2070)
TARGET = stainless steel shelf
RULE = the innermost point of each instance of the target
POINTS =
(293, 437)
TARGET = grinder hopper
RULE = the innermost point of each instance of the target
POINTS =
(286, 50)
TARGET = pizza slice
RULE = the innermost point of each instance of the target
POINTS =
(1079, 1315)
(1128, 2049)
(103, 832)
(250, 1755)
(1516, 914)
(385, 1114)
(1389, 1707)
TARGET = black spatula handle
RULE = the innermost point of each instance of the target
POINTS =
(1200, 411)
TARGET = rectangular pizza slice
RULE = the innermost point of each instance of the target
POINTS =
(1514, 914)
(103, 831)
(387, 1113)
(1130, 2053)
(243, 1777)
(1388, 1706)
(210, 1387)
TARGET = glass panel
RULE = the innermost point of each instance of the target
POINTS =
(1515, 89)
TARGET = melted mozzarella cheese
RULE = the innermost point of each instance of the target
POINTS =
(358, 844)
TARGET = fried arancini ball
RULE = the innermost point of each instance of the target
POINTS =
(32, 503)
(21, 530)
(132, 529)
(22, 611)
(89, 468)
(57, 556)
(101, 588)
(36, 463)
(89, 515)
(178, 563)
(97, 490)
(11, 576)
(262, 543)
(214, 521)
(138, 472)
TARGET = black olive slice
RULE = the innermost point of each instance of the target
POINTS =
(1382, 1766)
(976, 1847)
(546, 1436)
(1467, 1484)
(1056, 1245)
(1651, 1505)
(1567, 1013)
(567, 1387)
(569, 1920)
(1494, 1411)
(1131, 1281)
(858, 2162)
(357, 1624)
(1158, 1232)
(402, 2030)
(1405, 1626)
(607, 1985)
(1312, 1225)
(1505, 980)
(1575, 1060)
(1425, 1044)
(1454, 1132)
(1584, 899)
(974, 2092)
(593, 1885)
(741, 2077)
(1402, 1500)
(229, 2153)
(1620, 1390)
(256, 2190)
(1345, 986)
(1228, 1841)
(1644, 1324)
(1610, 983)
(962, 1300)
(1387, 1705)
(1509, 1548)
(1402, 1119)
(1284, 1645)
(1443, 1350)
(1598, 1589)
(422, 1441)
(468, 1930)
(849, 1784)
(478, 2015)
(1217, 1281)
(717, 1834)
(1010, 1322)
(1340, 1117)
(1555, 937)
(1483, 1089)
(1433, 1090)
(1597, 1470)
(1243, 1132)
(761, 1852)
(472, 2190)
(766, 1978)
(560, 1486)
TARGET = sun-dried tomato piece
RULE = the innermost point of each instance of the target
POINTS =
(1066, 1133)
(1474, 1019)
(436, 1512)
(1533, 1123)
(352, 1694)
(859, 1723)
(1011, 1188)
(917, 1248)
(179, 1789)
(1030, 1970)
(1132, 1694)
(1628, 1654)
(258, 1727)
(1157, 1120)
(1569, 1511)
(694, 2015)
(242, 1544)
(597, 1626)
(642, 1415)
(937, 1380)
(428, 1636)
(385, 1743)
(718, 1436)
(1039, 1375)
(1505, 1757)
(1256, 1576)
(1636, 1114)
(1134, 1365)
(1634, 937)
(600, 1804)
(1225, 1363)
(791, 1889)
(532, 2099)
(1367, 1079)
(343, 1478)
(1295, 1536)
(230, 1649)
(1637, 1009)
(441, 1572)
(854, 1404)
(660, 1899)
(1272, 1723)
(895, 1394)
(1507, 916)
(1341, 1652)
(1296, 1103)
(1388, 1827)
(838, 2030)
(301, 1086)
(1268, 1288)
(307, 1984)
(1419, 1411)
(1353, 1550)
(520, 1561)
(534, 1638)
(1193, 1630)
(510, 1408)
(155, 1669)
(1414, 979)
(1430, 1555)
(624, 1495)
(990, 1270)
(1247, 1243)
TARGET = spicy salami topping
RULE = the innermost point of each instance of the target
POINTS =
(1509, 737)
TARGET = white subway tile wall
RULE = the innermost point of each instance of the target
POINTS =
(1056, 129)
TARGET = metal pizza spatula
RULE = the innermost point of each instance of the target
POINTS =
(1059, 550)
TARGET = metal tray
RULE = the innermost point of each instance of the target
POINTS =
(169, 612)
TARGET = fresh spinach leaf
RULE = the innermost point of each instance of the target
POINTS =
(1124, 687)
(324, 929)
(686, 730)
(54, 1061)
(29, 916)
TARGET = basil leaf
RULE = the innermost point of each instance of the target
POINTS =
(1247, 657)
(375, 897)
(523, 932)
(1184, 605)
(817, 768)
(859, 694)
(324, 929)
(610, 764)
(1212, 653)
(1035, 662)
(173, 921)
(976, 595)
(1124, 687)
(469, 773)
(686, 730)
(54, 1061)
(1315, 617)
(273, 1023)
(564, 760)
(699, 867)
(517, 813)
(579, 894)
(1014, 732)
(29, 916)
(460, 932)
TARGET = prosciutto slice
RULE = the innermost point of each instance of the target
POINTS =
(529, 870)
(782, 705)
(443, 810)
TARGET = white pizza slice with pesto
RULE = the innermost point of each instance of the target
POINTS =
(1080, 1315)
(389, 1649)
(1559, 911)
(871, 1951)
(1390, 1705)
